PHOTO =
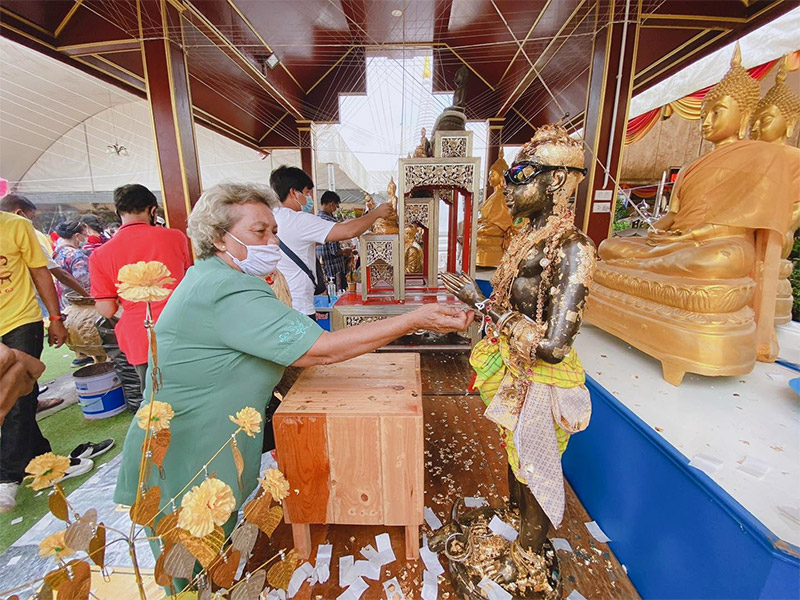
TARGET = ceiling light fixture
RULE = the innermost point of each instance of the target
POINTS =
(397, 12)
(117, 149)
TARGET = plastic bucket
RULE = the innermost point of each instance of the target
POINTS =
(99, 391)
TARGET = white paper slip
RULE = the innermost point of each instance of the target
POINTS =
(596, 532)
(706, 463)
(278, 594)
(368, 569)
(431, 519)
(493, 590)
(13, 560)
(385, 550)
(355, 590)
(322, 566)
(755, 467)
(575, 595)
(475, 502)
(430, 586)
(299, 576)
(17, 521)
(561, 544)
(393, 590)
(500, 527)
(369, 552)
(345, 565)
(431, 560)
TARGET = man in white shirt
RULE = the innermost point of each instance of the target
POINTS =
(301, 231)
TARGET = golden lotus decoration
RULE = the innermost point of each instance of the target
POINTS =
(46, 470)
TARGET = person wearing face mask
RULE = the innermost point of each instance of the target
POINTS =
(70, 255)
(224, 340)
(137, 240)
(301, 232)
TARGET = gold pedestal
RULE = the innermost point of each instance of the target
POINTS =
(683, 341)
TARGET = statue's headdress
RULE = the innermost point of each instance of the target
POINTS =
(782, 96)
(737, 84)
(500, 165)
(552, 145)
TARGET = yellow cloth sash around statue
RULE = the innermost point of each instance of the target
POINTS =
(536, 408)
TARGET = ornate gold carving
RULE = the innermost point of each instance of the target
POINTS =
(454, 147)
(443, 174)
(704, 297)
(351, 320)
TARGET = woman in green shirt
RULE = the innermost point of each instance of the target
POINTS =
(224, 340)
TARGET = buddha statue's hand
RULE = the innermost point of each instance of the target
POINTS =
(464, 288)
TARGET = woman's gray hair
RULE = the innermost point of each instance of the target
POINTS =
(212, 216)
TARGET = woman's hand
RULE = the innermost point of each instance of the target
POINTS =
(443, 318)
(464, 288)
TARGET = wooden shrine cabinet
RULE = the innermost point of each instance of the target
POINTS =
(349, 439)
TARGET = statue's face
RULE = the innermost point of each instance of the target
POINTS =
(529, 199)
(769, 125)
(722, 120)
(495, 179)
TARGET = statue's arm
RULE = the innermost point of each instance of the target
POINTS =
(566, 302)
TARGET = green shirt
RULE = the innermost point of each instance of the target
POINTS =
(223, 342)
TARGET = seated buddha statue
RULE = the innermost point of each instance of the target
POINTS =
(494, 222)
(413, 249)
(387, 226)
(774, 121)
(424, 148)
(694, 273)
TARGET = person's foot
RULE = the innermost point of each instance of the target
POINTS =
(8, 496)
(82, 362)
(48, 403)
(77, 467)
(92, 450)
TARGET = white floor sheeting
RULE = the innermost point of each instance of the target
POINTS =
(743, 431)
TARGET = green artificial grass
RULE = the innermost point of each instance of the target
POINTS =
(58, 362)
(65, 429)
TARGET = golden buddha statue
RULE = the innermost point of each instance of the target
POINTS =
(387, 226)
(414, 253)
(424, 148)
(685, 293)
(494, 223)
(774, 121)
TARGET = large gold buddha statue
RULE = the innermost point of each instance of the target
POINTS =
(693, 292)
(774, 121)
(494, 223)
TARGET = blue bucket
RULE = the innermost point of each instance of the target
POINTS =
(99, 391)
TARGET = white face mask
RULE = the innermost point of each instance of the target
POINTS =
(261, 260)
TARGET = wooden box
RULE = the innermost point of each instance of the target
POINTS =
(349, 439)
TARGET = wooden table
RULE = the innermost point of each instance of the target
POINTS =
(350, 440)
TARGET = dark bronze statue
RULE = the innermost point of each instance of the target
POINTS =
(532, 319)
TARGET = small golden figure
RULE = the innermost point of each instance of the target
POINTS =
(424, 148)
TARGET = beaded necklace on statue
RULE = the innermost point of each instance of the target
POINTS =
(555, 228)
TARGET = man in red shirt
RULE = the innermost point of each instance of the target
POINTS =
(138, 239)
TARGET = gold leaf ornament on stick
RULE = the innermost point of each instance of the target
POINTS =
(281, 573)
(79, 535)
(179, 562)
(97, 547)
(250, 587)
(79, 586)
(223, 570)
(144, 282)
(244, 538)
(58, 504)
(145, 509)
(238, 461)
(167, 528)
(204, 549)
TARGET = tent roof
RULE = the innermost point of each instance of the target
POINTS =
(509, 46)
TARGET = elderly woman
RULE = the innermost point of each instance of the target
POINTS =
(224, 340)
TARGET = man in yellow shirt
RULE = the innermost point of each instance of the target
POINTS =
(23, 267)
